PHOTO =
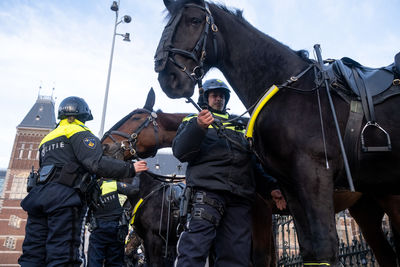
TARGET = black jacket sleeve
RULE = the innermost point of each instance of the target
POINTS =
(265, 183)
(188, 139)
(128, 190)
(89, 152)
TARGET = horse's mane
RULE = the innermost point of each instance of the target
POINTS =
(124, 119)
(238, 13)
(177, 5)
(170, 121)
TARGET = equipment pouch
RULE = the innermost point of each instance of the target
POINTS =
(32, 180)
(184, 203)
(90, 191)
(46, 173)
(123, 227)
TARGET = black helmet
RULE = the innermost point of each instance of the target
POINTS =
(74, 106)
(214, 84)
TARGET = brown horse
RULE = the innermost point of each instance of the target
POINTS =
(287, 136)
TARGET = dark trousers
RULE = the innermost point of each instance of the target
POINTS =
(229, 235)
(104, 246)
(54, 231)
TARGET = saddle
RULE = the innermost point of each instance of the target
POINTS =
(375, 80)
(371, 86)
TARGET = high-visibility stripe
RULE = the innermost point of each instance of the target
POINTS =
(224, 116)
(188, 118)
(267, 96)
(65, 129)
(135, 210)
(108, 187)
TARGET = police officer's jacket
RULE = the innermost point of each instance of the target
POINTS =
(215, 163)
(73, 149)
(110, 208)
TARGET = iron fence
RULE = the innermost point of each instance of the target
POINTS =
(353, 249)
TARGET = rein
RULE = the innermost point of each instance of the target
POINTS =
(131, 139)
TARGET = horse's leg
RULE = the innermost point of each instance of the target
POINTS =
(310, 198)
(262, 233)
(153, 247)
(391, 205)
(368, 215)
(396, 238)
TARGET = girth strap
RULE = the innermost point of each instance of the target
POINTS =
(366, 98)
(352, 136)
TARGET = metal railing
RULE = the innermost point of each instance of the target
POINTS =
(353, 249)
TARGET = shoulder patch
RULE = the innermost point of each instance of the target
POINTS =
(90, 142)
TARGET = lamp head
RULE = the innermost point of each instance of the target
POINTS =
(114, 6)
(126, 37)
(127, 19)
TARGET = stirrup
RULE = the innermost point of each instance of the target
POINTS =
(375, 148)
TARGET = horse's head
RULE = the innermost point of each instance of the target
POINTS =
(122, 140)
(187, 48)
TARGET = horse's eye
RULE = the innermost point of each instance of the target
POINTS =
(135, 118)
(195, 21)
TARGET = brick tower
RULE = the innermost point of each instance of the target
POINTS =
(39, 121)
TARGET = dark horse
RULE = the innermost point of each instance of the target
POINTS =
(364, 211)
(287, 135)
(157, 218)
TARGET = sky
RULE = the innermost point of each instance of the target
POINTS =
(66, 45)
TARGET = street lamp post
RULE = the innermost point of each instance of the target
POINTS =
(127, 19)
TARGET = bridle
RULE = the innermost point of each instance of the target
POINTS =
(167, 51)
(131, 139)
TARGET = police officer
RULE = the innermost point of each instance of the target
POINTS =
(107, 239)
(56, 213)
(220, 173)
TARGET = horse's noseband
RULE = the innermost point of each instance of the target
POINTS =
(131, 139)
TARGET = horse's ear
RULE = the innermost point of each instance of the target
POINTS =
(168, 4)
(151, 98)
